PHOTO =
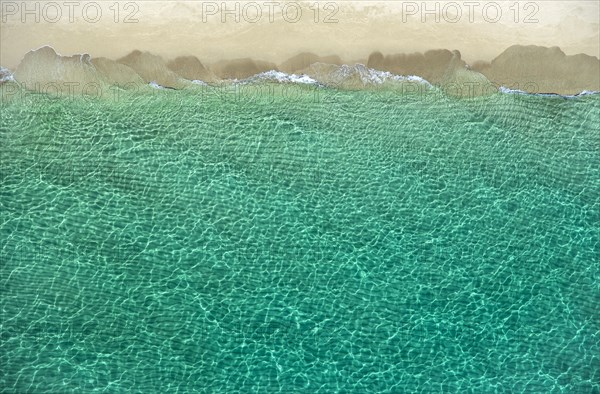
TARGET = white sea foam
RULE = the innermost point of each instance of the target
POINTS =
(332, 75)
(506, 90)
(279, 77)
(155, 85)
(199, 82)
(587, 93)
(6, 75)
(370, 76)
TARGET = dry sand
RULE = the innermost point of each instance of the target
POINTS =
(400, 37)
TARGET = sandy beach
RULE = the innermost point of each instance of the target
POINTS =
(238, 39)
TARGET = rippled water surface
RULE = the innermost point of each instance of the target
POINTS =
(303, 241)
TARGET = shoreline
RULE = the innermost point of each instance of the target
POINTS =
(258, 91)
(519, 69)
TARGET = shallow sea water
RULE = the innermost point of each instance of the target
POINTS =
(303, 240)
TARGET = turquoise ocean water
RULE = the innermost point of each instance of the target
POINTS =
(300, 241)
